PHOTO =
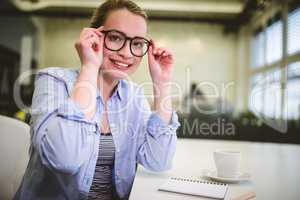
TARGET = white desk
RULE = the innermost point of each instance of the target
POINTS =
(275, 170)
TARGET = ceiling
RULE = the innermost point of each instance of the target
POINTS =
(206, 9)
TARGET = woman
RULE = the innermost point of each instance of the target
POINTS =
(91, 127)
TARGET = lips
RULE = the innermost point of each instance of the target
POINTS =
(120, 64)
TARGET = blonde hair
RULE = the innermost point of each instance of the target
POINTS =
(101, 13)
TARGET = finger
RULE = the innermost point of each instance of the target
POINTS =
(89, 35)
(163, 52)
(101, 43)
(89, 32)
(151, 60)
(100, 36)
(84, 32)
(98, 33)
(166, 56)
(167, 53)
(153, 45)
(159, 52)
(150, 54)
(99, 30)
(94, 43)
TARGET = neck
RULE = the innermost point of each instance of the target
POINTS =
(106, 86)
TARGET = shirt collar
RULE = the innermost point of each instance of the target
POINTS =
(118, 92)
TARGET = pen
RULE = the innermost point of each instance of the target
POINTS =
(245, 196)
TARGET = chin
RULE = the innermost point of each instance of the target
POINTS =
(115, 74)
(118, 76)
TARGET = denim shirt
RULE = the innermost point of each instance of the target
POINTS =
(64, 143)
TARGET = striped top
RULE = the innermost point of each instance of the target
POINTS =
(102, 186)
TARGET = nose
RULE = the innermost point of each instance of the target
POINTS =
(125, 51)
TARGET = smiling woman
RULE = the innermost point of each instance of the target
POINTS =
(90, 127)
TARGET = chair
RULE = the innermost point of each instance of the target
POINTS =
(14, 145)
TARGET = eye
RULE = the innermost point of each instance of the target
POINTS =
(115, 38)
(138, 44)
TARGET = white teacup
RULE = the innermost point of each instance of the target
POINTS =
(227, 163)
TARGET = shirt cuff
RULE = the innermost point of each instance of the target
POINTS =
(156, 126)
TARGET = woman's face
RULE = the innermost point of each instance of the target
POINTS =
(118, 64)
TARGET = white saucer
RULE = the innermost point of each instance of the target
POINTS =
(210, 174)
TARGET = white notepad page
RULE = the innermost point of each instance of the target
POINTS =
(195, 187)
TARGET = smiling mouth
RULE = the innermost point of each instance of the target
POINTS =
(120, 65)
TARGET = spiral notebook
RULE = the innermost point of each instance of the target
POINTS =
(195, 187)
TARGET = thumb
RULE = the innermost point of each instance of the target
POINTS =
(151, 54)
(152, 62)
(151, 57)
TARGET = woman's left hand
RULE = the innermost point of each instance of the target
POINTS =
(160, 61)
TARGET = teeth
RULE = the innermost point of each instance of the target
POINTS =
(121, 64)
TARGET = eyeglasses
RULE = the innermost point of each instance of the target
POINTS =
(115, 40)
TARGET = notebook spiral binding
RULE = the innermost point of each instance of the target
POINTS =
(196, 181)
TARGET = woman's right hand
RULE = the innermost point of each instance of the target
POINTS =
(90, 47)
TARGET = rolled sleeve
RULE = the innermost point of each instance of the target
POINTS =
(157, 139)
(59, 127)
(71, 110)
(156, 126)
(64, 144)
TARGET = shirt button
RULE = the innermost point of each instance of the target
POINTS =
(118, 150)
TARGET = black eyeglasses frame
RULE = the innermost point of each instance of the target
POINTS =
(148, 43)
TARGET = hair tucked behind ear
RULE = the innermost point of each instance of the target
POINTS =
(104, 9)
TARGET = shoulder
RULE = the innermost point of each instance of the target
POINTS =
(60, 73)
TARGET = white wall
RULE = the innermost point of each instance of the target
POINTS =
(202, 51)
(57, 39)
(242, 71)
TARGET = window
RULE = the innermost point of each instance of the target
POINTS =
(272, 100)
(258, 51)
(274, 42)
(294, 31)
(267, 45)
(266, 53)
(293, 91)
(256, 99)
(265, 96)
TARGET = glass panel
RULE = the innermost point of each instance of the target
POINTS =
(272, 100)
(274, 42)
(294, 32)
(257, 50)
(256, 94)
(293, 91)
